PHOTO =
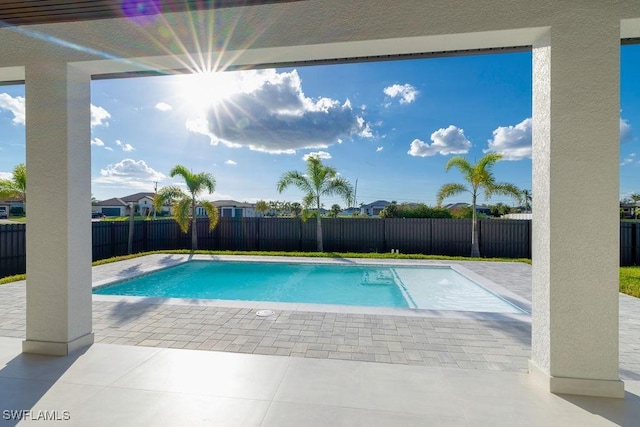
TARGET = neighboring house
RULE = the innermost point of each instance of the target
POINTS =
(349, 211)
(111, 207)
(4, 210)
(12, 204)
(373, 209)
(523, 215)
(456, 208)
(231, 209)
(627, 210)
(119, 206)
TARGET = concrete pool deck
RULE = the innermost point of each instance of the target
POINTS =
(157, 378)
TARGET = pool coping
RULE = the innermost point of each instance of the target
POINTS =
(174, 260)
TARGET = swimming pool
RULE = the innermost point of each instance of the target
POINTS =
(435, 288)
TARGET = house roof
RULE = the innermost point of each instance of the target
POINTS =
(456, 205)
(124, 201)
(376, 204)
(136, 197)
(232, 204)
(112, 202)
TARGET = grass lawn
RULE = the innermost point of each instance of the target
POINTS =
(135, 218)
(630, 281)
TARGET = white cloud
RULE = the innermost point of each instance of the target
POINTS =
(6, 175)
(163, 106)
(125, 146)
(405, 92)
(230, 162)
(318, 154)
(365, 129)
(627, 160)
(269, 112)
(131, 174)
(99, 116)
(15, 105)
(513, 142)
(379, 149)
(625, 131)
(108, 148)
(451, 140)
(98, 142)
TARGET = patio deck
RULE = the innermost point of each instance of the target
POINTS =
(437, 368)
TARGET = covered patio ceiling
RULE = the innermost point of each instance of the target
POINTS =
(30, 12)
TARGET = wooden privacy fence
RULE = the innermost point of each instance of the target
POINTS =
(498, 238)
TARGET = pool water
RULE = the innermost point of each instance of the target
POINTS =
(408, 287)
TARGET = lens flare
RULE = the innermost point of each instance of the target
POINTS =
(141, 11)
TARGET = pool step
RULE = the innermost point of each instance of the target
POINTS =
(380, 277)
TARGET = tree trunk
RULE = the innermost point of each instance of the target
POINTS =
(194, 228)
(475, 247)
(319, 228)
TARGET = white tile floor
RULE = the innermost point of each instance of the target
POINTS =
(121, 386)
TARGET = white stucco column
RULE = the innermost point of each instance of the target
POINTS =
(58, 133)
(575, 220)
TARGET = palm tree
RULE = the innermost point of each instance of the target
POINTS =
(262, 207)
(635, 198)
(527, 198)
(479, 176)
(184, 204)
(335, 210)
(16, 187)
(320, 180)
(296, 209)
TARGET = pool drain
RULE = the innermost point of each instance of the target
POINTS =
(265, 313)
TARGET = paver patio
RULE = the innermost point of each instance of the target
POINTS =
(435, 339)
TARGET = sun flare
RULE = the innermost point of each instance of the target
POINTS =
(200, 91)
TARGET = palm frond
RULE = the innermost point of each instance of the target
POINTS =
(167, 195)
(181, 213)
(16, 187)
(204, 181)
(309, 200)
(487, 161)
(212, 212)
(296, 179)
(504, 189)
(338, 186)
(189, 178)
(9, 190)
(462, 165)
(449, 190)
(318, 173)
(20, 177)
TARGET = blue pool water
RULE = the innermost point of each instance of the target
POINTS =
(408, 287)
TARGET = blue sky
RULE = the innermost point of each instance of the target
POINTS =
(391, 125)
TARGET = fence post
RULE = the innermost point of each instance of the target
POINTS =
(635, 251)
(112, 233)
(529, 238)
(145, 226)
(257, 237)
(384, 235)
(480, 235)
